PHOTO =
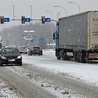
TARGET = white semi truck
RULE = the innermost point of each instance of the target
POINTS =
(77, 37)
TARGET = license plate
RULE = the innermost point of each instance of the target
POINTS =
(11, 59)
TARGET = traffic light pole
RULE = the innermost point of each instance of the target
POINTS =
(33, 19)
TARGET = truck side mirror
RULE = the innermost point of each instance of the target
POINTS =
(53, 36)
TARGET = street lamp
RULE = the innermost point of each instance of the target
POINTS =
(50, 13)
(63, 8)
(14, 13)
(58, 15)
(77, 5)
(51, 27)
(31, 10)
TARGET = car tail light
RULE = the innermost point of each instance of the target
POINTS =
(32, 49)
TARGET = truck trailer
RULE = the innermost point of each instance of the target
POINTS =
(77, 37)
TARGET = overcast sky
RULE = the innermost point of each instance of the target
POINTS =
(39, 7)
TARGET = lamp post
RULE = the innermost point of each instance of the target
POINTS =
(31, 10)
(50, 13)
(77, 5)
(58, 15)
(51, 27)
(13, 13)
(62, 8)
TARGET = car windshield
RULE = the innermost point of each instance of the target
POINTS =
(36, 47)
(10, 51)
(22, 47)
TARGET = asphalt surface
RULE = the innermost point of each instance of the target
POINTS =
(24, 85)
(32, 81)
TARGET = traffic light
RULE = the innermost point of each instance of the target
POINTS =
(43, 19)
(57, 24)
(23, 19)
(2, 19)
(54, 35)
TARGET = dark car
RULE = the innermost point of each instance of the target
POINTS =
(35, 50)
(10, 55)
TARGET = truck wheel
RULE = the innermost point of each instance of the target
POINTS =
(76, 56)
(63, 55)
(58, 56)
(80, 57)
(83, 57)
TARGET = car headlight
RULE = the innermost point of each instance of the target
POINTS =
(3, 57)
(19, 57)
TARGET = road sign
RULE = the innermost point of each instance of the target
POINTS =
(40, 40)
(6, 19)
(28, 36)
(47, 19)
(27, 19)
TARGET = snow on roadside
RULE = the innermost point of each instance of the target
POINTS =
(86, 72)
(6, 91)
(49, 52)
(48, 85)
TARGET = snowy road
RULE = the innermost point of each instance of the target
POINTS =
(42, 76)
(86, 72)
(82, 72)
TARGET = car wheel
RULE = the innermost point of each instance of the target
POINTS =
(20, 63)
(38, 53)
(41, 53)
(1, 64)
